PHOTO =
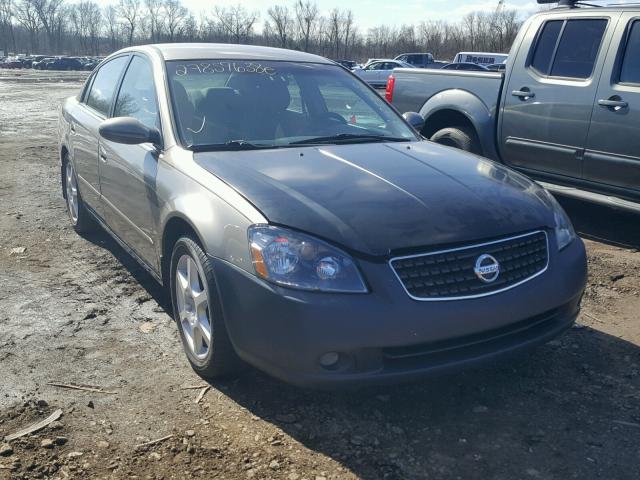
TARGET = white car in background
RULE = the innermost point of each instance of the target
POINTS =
(376, 73)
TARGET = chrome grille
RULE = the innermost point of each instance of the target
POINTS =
(449, 274)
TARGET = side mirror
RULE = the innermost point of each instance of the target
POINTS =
(129, 131)
(415, 120)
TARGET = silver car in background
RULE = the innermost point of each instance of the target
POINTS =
(377, 72)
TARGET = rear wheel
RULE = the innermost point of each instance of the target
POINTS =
(197, 311)
(80, 218)
(461, 137)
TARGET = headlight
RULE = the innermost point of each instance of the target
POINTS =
(292, 259)
(565, 234)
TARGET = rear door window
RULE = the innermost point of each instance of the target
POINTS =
(568, 49)
(578, 48)
(105, 84)
(630, 71)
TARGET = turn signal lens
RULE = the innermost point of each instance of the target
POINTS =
(258, 261)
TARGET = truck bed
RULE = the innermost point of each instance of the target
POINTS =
(414, 86)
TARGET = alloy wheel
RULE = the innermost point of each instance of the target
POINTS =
(72, 192)
(193, 307)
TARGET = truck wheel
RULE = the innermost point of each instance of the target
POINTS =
(462, 137)
(198, 313)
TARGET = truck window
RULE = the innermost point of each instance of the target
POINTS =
(545, 46)
(630, 71)
(575, 54)
(578, 49)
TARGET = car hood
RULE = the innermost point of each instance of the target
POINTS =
(379, 198)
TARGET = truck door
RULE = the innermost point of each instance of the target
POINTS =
(613, 147)
(548, 100)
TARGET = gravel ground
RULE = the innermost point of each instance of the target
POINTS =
(79, 310)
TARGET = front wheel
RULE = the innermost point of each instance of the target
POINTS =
(197, 311)
(462, 137)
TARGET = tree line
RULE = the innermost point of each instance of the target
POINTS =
(86, 28)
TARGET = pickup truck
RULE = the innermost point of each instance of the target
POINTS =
(566, 111)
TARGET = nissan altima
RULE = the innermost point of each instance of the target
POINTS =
(301, 225)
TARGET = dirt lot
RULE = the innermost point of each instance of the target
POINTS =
(79, 310)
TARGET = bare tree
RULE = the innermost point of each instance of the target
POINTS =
(7, 34)
(49, 11)
(333, 30)
(81, 27)
(282, 24)
(236, 22)
(110, 16)
(307, 17)
(153, 18)
(175, 15)
(349, 31)
(129, 11)
(27, 16)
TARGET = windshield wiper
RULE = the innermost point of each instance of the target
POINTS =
(350, 137)
(229, 145)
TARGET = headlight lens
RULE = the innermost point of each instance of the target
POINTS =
(292, 259)
(565, 234)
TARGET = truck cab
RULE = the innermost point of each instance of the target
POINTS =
(571, 102)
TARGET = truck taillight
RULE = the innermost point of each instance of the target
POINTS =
(388, 94)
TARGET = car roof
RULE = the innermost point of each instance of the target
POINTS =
(205, 51)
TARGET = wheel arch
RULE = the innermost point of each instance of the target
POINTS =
(177, 225)
(452, 108)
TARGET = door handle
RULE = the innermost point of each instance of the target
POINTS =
(72, 127)
(524, 94)
(614, 103)
(103, 155)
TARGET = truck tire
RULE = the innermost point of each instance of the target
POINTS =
(461, 137)
(198, 312)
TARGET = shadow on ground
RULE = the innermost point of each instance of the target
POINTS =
(603, 224)
(568, 410)
(157, 291)
(558, 413)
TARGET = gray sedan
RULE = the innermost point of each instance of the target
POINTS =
(301, 225)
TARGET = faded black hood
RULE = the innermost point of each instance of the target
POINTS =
(378, 198)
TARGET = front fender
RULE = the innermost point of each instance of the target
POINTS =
(207, 206)
(463, 102)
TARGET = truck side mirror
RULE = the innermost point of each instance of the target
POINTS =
(415, 120)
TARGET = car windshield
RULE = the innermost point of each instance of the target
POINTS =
(266, 104)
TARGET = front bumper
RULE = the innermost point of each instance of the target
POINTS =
(385, 336)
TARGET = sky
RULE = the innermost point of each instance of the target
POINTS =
(369, 13)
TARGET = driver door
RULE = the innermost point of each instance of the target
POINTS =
(128, 172)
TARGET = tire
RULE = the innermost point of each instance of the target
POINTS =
(211, 356)
(462, 137)
(81, 219)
